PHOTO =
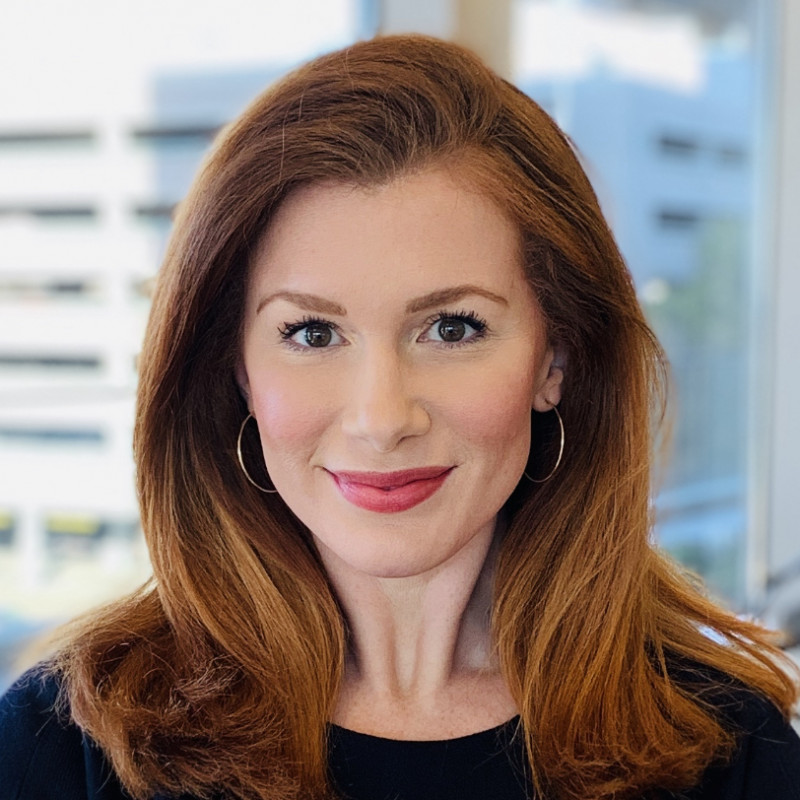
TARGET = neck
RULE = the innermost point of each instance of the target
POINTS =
(412, 636)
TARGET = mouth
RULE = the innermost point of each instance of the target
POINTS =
(390, 492)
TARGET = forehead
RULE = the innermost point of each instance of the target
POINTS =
(432, 224)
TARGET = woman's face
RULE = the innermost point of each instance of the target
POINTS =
(392, 353)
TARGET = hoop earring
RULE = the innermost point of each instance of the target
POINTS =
(241, 458)
(560, 453)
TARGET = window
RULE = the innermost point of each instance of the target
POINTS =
(26, 140)
(49, 361)
(678, 146)
(50, 213)
(661, 99)
(54, 436)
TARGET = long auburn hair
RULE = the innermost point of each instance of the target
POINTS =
(220, 675)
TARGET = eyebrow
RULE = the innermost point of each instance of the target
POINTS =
(320, 305)
(445, 296)
(308, 302)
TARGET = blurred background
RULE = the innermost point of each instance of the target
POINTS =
(682, 113)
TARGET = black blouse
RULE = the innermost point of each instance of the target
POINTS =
(489, 764)
(44, 758)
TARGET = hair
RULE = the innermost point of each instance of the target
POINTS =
(220, 675)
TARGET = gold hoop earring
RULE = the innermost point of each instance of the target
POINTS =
(241, 458)
(560, 453)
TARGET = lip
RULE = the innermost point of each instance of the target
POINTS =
(390, 492)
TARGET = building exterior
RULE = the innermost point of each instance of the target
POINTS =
(106, 110)
(673, 167)
(85, 211)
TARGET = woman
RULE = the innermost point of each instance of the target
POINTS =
(394, 443)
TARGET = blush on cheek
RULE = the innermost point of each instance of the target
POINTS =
(287, 416)
(499, 415)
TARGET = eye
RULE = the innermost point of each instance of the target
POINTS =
(311, 333)
(454, 329)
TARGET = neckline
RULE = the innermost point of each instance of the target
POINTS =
(504, 727)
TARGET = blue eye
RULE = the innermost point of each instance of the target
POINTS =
(455, 329)
(311, 333)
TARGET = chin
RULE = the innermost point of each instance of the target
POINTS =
(386, 559)
(379, 565)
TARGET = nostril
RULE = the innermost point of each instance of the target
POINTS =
(385, 423)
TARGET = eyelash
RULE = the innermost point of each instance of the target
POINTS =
(288, 329)
(470, 318)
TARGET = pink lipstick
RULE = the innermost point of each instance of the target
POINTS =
(390, 492)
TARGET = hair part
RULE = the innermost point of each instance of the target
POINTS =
(222, 673)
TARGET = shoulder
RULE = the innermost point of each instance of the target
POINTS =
(766, 760)
(43, 754)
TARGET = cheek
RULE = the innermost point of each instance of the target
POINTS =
(497, 412)
(288, 411)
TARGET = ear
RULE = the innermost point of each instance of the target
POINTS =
(549, 380)
(243, 383)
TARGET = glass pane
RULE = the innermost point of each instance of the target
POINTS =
(659, 97)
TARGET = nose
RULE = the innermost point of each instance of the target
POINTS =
(381, 407)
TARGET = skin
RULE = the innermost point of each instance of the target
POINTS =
(387, 392)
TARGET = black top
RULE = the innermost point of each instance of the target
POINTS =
(45, 758)
(490, 764)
